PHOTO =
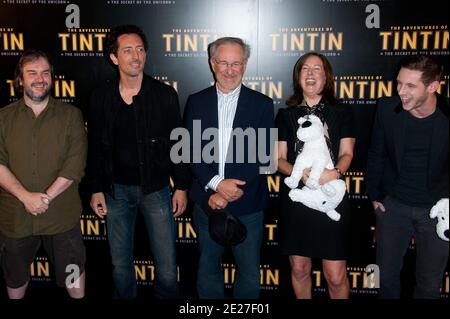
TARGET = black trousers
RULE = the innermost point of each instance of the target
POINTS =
(394, 229)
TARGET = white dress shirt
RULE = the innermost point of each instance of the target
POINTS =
(226, 104)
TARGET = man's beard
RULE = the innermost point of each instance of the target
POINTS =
(37, 98)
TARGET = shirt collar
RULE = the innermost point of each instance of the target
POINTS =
(233, 93)
(50, 105)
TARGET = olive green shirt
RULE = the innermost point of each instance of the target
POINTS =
(38, 151)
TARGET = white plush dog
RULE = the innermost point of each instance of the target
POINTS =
(315, 154)
(440, 210)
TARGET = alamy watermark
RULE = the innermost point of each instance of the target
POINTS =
(252, 145)
(73, 277)
(373, 276)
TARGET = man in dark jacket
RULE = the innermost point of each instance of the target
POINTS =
(129, 125)
(407, 174)
(227, 182)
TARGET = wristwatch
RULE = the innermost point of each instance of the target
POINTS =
(45, 200)
(340, 174)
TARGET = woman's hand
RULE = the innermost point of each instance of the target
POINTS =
(328, 175)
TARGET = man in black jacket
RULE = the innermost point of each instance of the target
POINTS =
(239, 185)
(130, 120)
(407, 174)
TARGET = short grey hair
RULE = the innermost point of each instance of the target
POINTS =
(214, 46)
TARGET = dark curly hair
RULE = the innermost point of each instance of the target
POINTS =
(111, 43)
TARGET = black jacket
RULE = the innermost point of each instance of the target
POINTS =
(157, 113)
(386, 150)
(254, 110)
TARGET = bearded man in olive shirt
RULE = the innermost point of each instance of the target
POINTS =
(43, 148)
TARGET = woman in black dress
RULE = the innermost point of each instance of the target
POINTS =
(307, 233)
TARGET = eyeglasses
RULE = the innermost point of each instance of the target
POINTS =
(225, 64)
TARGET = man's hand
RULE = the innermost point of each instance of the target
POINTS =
(328, 175)
(35, 203)
(179, 202)
(378, 205)
(98, 204)
(216, 201)
(305, 175)
(229, 189)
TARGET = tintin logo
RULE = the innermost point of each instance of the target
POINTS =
(414, 38)
(269, 277)
(145, 272)
(268, 280)
(362, 87)
(444, 87)
(182, 42)
(445, 286)
(185, 231)
(11, 42)
(82, 42)
(93, 228)
(167, 81)
(412, 243)
(356, 186)
(271, 230)
(266, 85)
(40, 269)
(11, 90)
(273, 183)
(140, 2)
(363, 280)
(64, 89)
(301, 39)
(317, 280)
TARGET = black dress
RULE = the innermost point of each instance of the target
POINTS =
(304, 231)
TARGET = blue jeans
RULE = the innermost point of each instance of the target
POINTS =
(394, 230)
(157, 212)
(210, 275)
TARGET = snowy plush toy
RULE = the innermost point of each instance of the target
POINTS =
(440, 210)
(315, 154)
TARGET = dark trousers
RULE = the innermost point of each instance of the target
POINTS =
(394, 229)
(156, 208)
(210, 275)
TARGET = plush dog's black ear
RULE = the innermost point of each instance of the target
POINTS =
(306, 124)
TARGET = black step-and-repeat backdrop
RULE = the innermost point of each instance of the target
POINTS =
(364, 40)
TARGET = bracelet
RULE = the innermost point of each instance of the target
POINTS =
(340, 174)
